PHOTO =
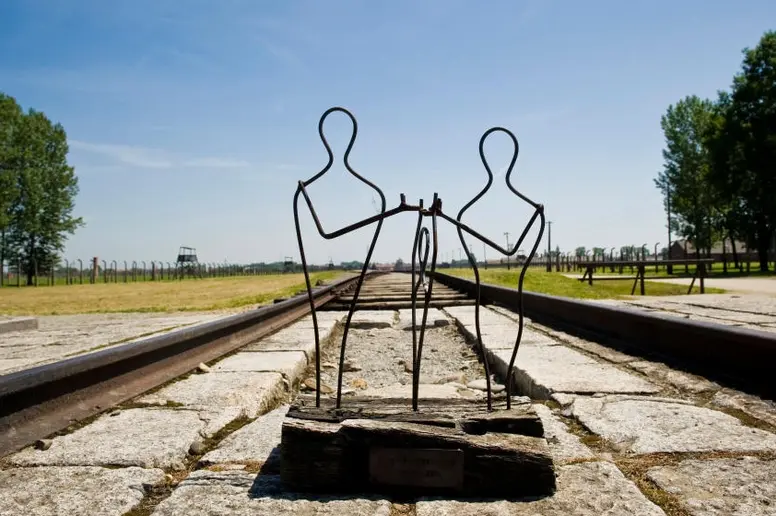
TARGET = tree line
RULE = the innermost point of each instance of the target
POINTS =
(719, 175)
(37, 189)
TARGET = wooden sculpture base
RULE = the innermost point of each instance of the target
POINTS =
(449, 447)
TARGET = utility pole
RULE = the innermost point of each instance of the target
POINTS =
(549, 246)
(668, 208)
(506, 234)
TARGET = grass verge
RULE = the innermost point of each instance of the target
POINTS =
(164, 296)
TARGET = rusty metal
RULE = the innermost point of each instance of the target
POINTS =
(425, 242)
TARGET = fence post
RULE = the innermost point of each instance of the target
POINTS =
(153, 271)
(104, 271)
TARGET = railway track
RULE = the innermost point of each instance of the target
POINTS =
(198, 437)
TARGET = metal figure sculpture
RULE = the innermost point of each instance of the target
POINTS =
(425, 242)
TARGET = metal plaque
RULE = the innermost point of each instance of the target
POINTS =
(416, 467)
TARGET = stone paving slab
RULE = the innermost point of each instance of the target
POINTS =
(248, 392)
(291, 364)
(649, 425)
(300, 335)
(504, 336)
(564, 446)
(465, 316)
(750, 405)
(509, 313)
(253, 443)
(293, 334)
(678, 379)
(435, 317)
(73, 491)
(744, 485)
(237, 493)
(9, 324)
(544, 370)
(325, 318)
(372, 319)
(585, 489)
(63, 336)
(149, 438)
(593, 348)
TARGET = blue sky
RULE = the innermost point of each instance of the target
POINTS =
(190, 123)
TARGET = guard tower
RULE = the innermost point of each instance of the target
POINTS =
(187, 262)
(288, 264)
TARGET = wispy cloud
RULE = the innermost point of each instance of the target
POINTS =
(145, 157)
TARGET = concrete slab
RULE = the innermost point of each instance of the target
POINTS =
(585, 489)
(647, 425)
(291, 364)
(564, 446)
(659, 372)
(149, 438)
(435, 317)
(544, 370)
(253, 443)
(372, 319)
(68, 491)
(247, 392)
(237, 493)
(744, 485)
(18, 324)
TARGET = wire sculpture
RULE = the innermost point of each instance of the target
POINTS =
(425, 242)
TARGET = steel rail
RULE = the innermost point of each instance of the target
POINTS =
(42, 400)
(739, 357)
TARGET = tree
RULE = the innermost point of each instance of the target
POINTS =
(580, 252)
(743, 148)
(46, 186)
(684, 179)
(10, 116)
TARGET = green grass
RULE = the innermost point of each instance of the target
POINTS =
(557, 284)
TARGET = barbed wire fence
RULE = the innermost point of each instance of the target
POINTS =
(95, 271)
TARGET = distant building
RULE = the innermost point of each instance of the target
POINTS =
(683, 249)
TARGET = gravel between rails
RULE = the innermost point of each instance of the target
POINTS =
(383, 357)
